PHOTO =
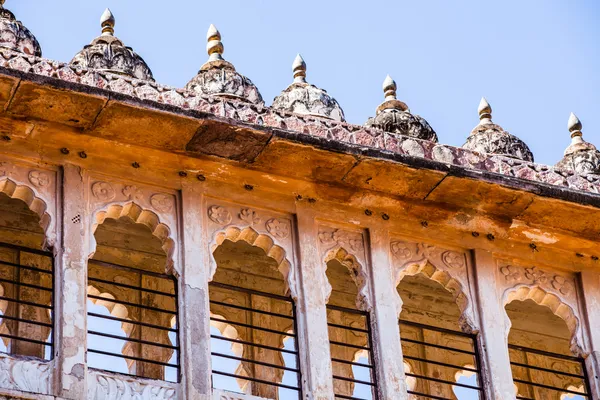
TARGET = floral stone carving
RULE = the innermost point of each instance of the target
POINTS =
(27, 375)
(162, 202)
(103, 191)
(39, 178)
(219, 215)
(353, 241)
(109, 387)
(249, 216)
(279, 228)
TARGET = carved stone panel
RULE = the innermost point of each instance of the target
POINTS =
(269, 230)
(106, 386)
(34, 185)
(27, 375)
(225, 395)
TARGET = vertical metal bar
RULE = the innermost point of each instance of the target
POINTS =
(297, 348)
(53, 304)
(372, 357)
(588, 387)
(177, 344)
(475, 342)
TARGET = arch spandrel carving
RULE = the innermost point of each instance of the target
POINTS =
(347, 247)
(444, 266)
(36, 187)
(152, 207)
(268, 230)
(555, 290)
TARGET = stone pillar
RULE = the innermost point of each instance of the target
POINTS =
(493, 340)
(70, 287)
(194, 309)
(590, 283)
(312, 314)
(391, 380)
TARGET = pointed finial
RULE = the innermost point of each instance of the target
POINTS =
(214, 46)
(107, 21)
(299, 68)
(389, 88)
(485, 111)
(574, 125)
(2, 3)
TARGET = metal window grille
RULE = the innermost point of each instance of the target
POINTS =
(359, 324)
(145, 294)
(25, 282)
(465, 345)
(567, 367)
(256, 327)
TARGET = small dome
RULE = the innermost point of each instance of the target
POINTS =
(490, 138)
(303, 98)
(218, 77)
(108, 53)
(15, 36)
(581, 156)
(394, 116)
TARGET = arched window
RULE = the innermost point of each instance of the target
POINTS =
(443, 361)
(256, 349)
(132, 319)
(26, 282)
(349, 335)
(543, 365)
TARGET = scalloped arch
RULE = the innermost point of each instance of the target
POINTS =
(449, 283)
(262, 241)
(357, 273)
(27, 195)
(553, 302)
(138, 215)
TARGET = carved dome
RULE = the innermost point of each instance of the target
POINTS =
(108, 53)
(218, 77)
(581, 156)
(15, 36)
(394, 116)
(490, 138)
(303, 98)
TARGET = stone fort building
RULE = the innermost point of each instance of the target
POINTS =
(196, 243)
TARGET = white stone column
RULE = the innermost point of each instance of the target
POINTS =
(590, 284)
(391, 381)
(194, 309)
(312, 314)
(71, 288)
(493, 341)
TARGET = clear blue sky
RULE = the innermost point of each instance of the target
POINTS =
(534, 60)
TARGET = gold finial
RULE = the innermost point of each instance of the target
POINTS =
(2, 3)
(389, 88)
(574, 125)
(107, 21)
(214, 47)
(299, 69)
(485, 112)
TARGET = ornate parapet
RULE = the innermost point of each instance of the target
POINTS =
(25, 374)
(108, 386)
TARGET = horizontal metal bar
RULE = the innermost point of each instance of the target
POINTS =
(133, 340)
(547, 370)
(253, 327)
(348, 345)
(343, 396)
(136, 376)
(343, 378)
(27, 267)
(30, 285)
(545, 353)
(348, 328)
(246, 378)
(248, 360)
(158, 292)
(131, 269)
(429, 378)
(351, 363)
(524, 398)
(437, 346)
(441, 363)
(27, 340)
(4, 316)
(251, 291)
(262, 346)
(429, 396)
(130, 321)
(106, 353)
(348, 310)
(27, 303)
(550, 387)
(126, 303)
(434, 328)
(220, 303)
(27, 249)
